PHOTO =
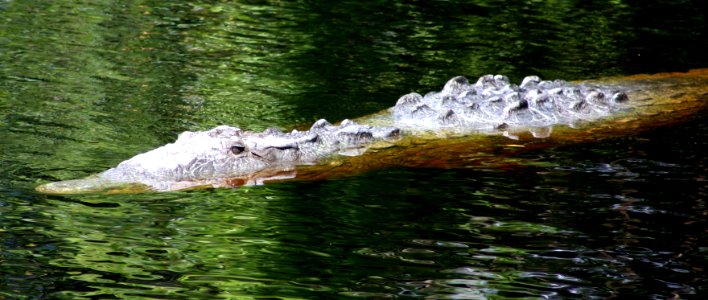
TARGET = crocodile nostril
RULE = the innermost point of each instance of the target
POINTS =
(237, 149)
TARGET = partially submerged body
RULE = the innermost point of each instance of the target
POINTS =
(461, 120)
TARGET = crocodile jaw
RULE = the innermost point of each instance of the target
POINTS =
(92, 184)
(227, 156)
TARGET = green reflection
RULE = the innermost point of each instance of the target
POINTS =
(240, 54)
(87, 84)
(135, 246)
(224, 244)
(76, 86)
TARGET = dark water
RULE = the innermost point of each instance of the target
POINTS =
(87, 84)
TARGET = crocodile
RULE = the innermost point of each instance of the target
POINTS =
(462, 119)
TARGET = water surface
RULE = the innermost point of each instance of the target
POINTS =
(85, 85)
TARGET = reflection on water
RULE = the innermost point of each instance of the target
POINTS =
(86, 85)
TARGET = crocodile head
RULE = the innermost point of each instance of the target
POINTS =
(225, 154)
(216, 153)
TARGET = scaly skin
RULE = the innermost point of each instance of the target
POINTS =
(458, 126)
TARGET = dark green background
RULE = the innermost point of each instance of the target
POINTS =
(87, 84)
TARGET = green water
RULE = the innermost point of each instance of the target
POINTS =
(87, 84)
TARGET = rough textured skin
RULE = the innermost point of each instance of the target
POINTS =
(491, 105)
(226, 151)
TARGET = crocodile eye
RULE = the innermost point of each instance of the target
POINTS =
(237, 149)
